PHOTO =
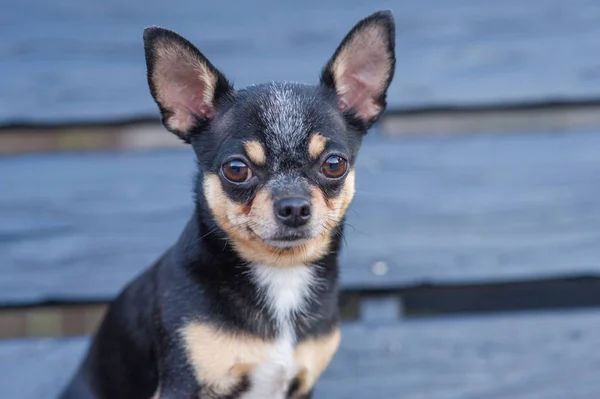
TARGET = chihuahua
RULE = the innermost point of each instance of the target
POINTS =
(244, 304)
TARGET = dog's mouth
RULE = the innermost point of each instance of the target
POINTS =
(285, 240)
(288, 240)
(287, 244)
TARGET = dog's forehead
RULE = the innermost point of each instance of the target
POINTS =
(286, 115)
(286, 118)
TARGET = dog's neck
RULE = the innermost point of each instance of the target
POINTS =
(266, 299)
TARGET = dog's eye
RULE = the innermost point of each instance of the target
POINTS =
(334, 167)
(236, 171)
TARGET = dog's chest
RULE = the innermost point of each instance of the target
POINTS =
(272, 378)
(285, 293)
(222, 361)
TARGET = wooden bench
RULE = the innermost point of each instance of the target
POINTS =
(524, 356)
(91, 69)
(459, 211)
(441, 227)
(480, 223)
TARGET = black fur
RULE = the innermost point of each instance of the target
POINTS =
(136, 349)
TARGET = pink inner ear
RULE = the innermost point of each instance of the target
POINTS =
(361, 71)
(184, 85)
(363, 86)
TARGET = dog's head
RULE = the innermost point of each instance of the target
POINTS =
(276, 160)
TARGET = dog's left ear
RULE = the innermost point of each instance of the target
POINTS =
(184, 84)
(362, 67)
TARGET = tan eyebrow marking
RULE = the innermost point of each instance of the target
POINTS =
(255, 152)
(316, 145)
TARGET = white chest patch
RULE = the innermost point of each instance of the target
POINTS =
(285, 291)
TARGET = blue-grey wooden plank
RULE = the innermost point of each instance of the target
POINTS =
(481, 208)
(67, 60)
(526, 356)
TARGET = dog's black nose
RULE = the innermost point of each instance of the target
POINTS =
(293, 212)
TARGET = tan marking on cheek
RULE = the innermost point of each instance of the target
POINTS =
(247, 207)
(234, 219)
(313, 357)
(255, 152)
(263, 220)
(229, 215)
(254, 250)
(333, 210)
(220, 359)
(339, 205)
(348, 192)
(316, 145)
(262, 210)
(217, 199)
(320, 204)
(328, 212)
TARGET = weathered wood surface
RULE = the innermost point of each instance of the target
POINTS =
(64, 61)
(470, 209)
(522, 356)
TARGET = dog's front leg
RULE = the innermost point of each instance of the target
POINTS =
(182, 388)
(176, 376)
(307, 396)
(178, 392)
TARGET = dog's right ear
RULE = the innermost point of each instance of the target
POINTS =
(184, 84)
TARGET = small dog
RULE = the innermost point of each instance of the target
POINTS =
(244, 304)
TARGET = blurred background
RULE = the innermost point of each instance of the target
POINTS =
(472, 259)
